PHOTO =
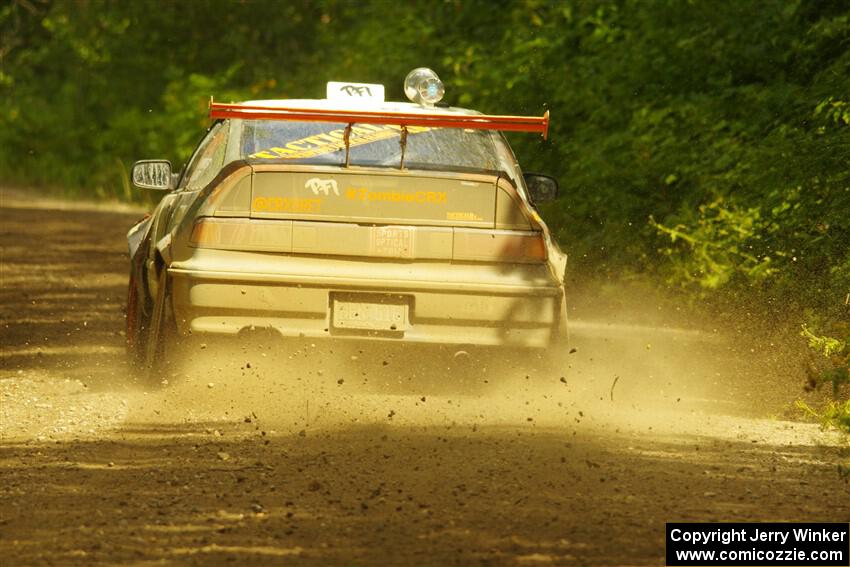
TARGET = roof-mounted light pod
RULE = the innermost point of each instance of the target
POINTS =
(424, 87)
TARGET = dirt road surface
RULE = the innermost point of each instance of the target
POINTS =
(296, 455)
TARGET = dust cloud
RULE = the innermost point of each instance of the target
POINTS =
(617, 377)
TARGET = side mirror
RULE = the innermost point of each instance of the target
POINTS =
(152, 174)
(541, 187)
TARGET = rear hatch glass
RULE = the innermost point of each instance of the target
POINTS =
(374, 145)
(449, 177)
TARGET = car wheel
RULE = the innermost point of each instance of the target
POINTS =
(136, 327)
(557, 353)
(160, 331)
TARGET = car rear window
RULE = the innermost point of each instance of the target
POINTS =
(371, 145)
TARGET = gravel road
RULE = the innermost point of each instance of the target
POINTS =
(300, 455)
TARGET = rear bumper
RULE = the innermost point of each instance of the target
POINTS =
(463, 305)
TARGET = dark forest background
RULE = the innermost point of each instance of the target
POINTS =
(702, 144)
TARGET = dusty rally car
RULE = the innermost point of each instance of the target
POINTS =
(348, 218)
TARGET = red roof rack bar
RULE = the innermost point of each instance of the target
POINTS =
(442, 120)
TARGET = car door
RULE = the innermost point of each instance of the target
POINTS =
(203, 166)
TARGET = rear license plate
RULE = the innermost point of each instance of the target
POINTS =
(370, 315)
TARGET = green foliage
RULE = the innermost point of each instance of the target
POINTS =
(89, 86)
(834, 414)
(716, 244)
(837, 414)
(833, 364)
(827, 346)
(835, 111)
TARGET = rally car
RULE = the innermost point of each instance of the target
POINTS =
(348, 219)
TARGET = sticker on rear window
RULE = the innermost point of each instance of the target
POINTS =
(323, 186)
(419, 197)
(286, 205)
(334, 141)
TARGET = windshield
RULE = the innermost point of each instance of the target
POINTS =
(322, 143)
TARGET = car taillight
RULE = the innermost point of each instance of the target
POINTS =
(468, 245)
(241, 234)
(498, 246)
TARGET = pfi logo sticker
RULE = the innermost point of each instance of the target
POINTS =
(322, 186)
(356, 90)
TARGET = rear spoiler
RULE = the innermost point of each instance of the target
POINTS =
(404, 119)
(444, 120)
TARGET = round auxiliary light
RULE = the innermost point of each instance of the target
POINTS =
(424, 87)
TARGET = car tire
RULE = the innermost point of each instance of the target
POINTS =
(557, 353)
(136, 329)
(161, 331)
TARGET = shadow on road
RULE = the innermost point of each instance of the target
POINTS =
(63, 293)
(373, 494)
